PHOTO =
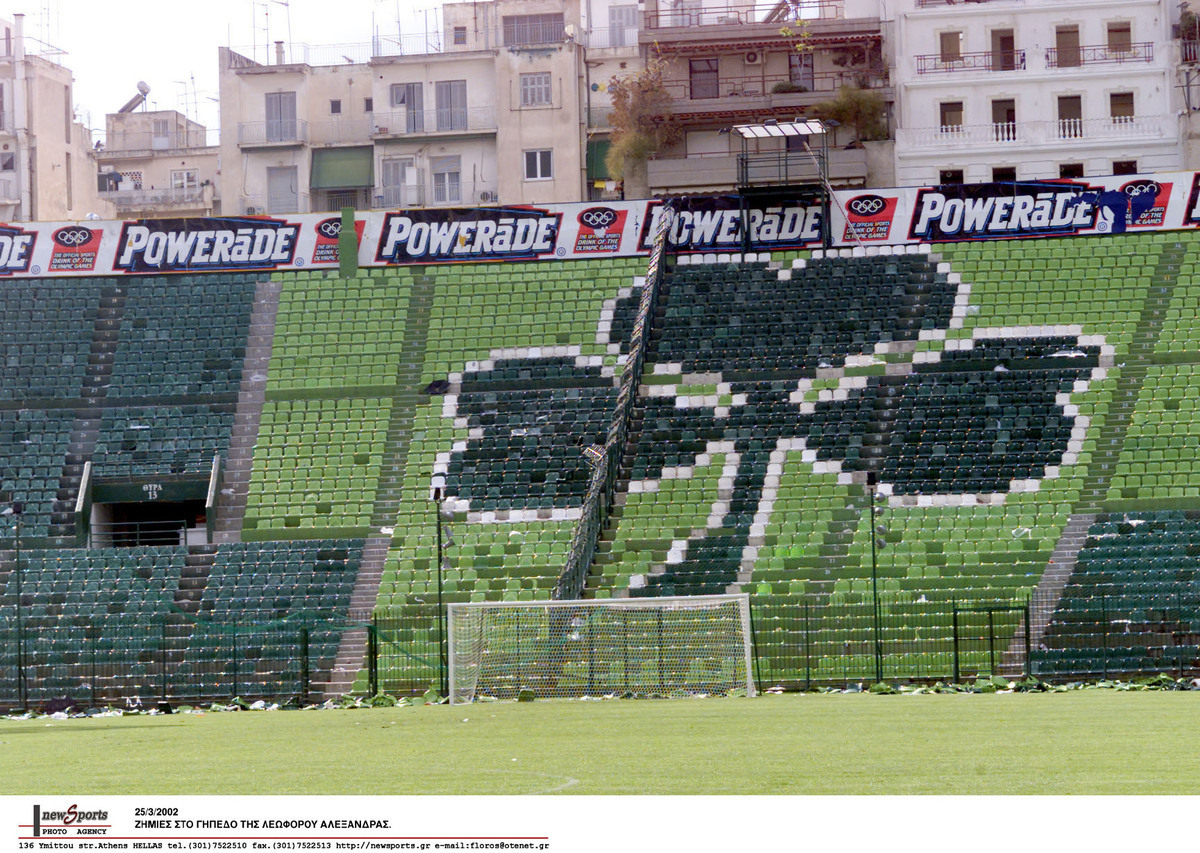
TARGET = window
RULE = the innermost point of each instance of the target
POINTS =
(281, 117)
(8, 161)
(451, 98)
(282, 190)
(368, 105)
(185, 179)
(460, 35)
(1004, 50)
(396, 176)
(335, 108)
(1070, 170)
(1125, 167)
(535, 89)
(68, 118)
(1070, 117)
(704, 77)
(160, 134)
(951, 114)
(1120, 37)
(447, 179)
(533, 29)
(1066, 46)
(950, 176)
(950, 45)
(800, 70)
(1004, 120)
(539, 165)
(1120, 107)
(622, 26)
(687, 13)
(1004, 174)
(411, 97)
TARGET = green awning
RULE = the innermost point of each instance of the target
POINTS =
(342, 168)
(596, 151)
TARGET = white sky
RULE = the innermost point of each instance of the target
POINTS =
(112, 44)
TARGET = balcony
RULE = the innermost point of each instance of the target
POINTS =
(600, 117)
(282, 133)
(433, 194)
(338, 131)
(189, 197)
(1036, 132)
(804, 10)
(8, 190)
(990, 60)
(758, 93)
(6, 121)
(130, 142)
(847, 167)
(1098, 55)
(1189, 50)
(457, 120)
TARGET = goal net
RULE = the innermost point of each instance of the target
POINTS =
(686, 645)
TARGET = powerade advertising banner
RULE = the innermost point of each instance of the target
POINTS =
(203, 244)
(717, 224)
(937, 214)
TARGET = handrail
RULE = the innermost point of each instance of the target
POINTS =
(598, 501)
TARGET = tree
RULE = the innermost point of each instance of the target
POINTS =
(858, 109)
(642, 120)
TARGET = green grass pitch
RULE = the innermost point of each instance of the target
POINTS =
(1085, 742)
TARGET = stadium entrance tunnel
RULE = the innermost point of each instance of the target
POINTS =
(140, 523)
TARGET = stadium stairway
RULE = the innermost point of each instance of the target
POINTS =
(231, 508)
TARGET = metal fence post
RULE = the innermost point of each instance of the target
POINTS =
(954, 624)
(303, 666)
(807, 650)
(1104, 633)
(1028, 652)
(373, 657)
(163, 662)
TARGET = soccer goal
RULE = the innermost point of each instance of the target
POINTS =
(685, 645)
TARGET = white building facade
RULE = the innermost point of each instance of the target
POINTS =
(1000, 90)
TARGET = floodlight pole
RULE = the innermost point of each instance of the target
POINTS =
(871, 480)
(442, 646)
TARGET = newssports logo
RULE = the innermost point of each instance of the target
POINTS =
(50, 822)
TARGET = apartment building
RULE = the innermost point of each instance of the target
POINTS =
(489, 110)
(47, 170)
(734, 63)
(999, 90)
(157, 163)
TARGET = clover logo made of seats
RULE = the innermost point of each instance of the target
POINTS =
(862, 365)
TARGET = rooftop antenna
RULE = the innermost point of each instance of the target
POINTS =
(286, 5)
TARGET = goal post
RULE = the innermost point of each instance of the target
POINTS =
(671, 646)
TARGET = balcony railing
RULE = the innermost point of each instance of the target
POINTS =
(189, 196)
(430, 193)
(1034, 132)
(449, 120)
(1189, 50)
(148, 141)
(990, 60)
(711, 16)
(6, 121)
(8, 189)
(600, 117)
(763, 85)
(610, 37)
(278, 132)
(340, 130)
(1073, 57)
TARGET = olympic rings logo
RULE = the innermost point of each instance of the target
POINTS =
(867, 205)
(72, 237)
(598, 217)
(331, 228)
(1137, 188)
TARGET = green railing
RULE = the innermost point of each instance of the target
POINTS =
(606, 461)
